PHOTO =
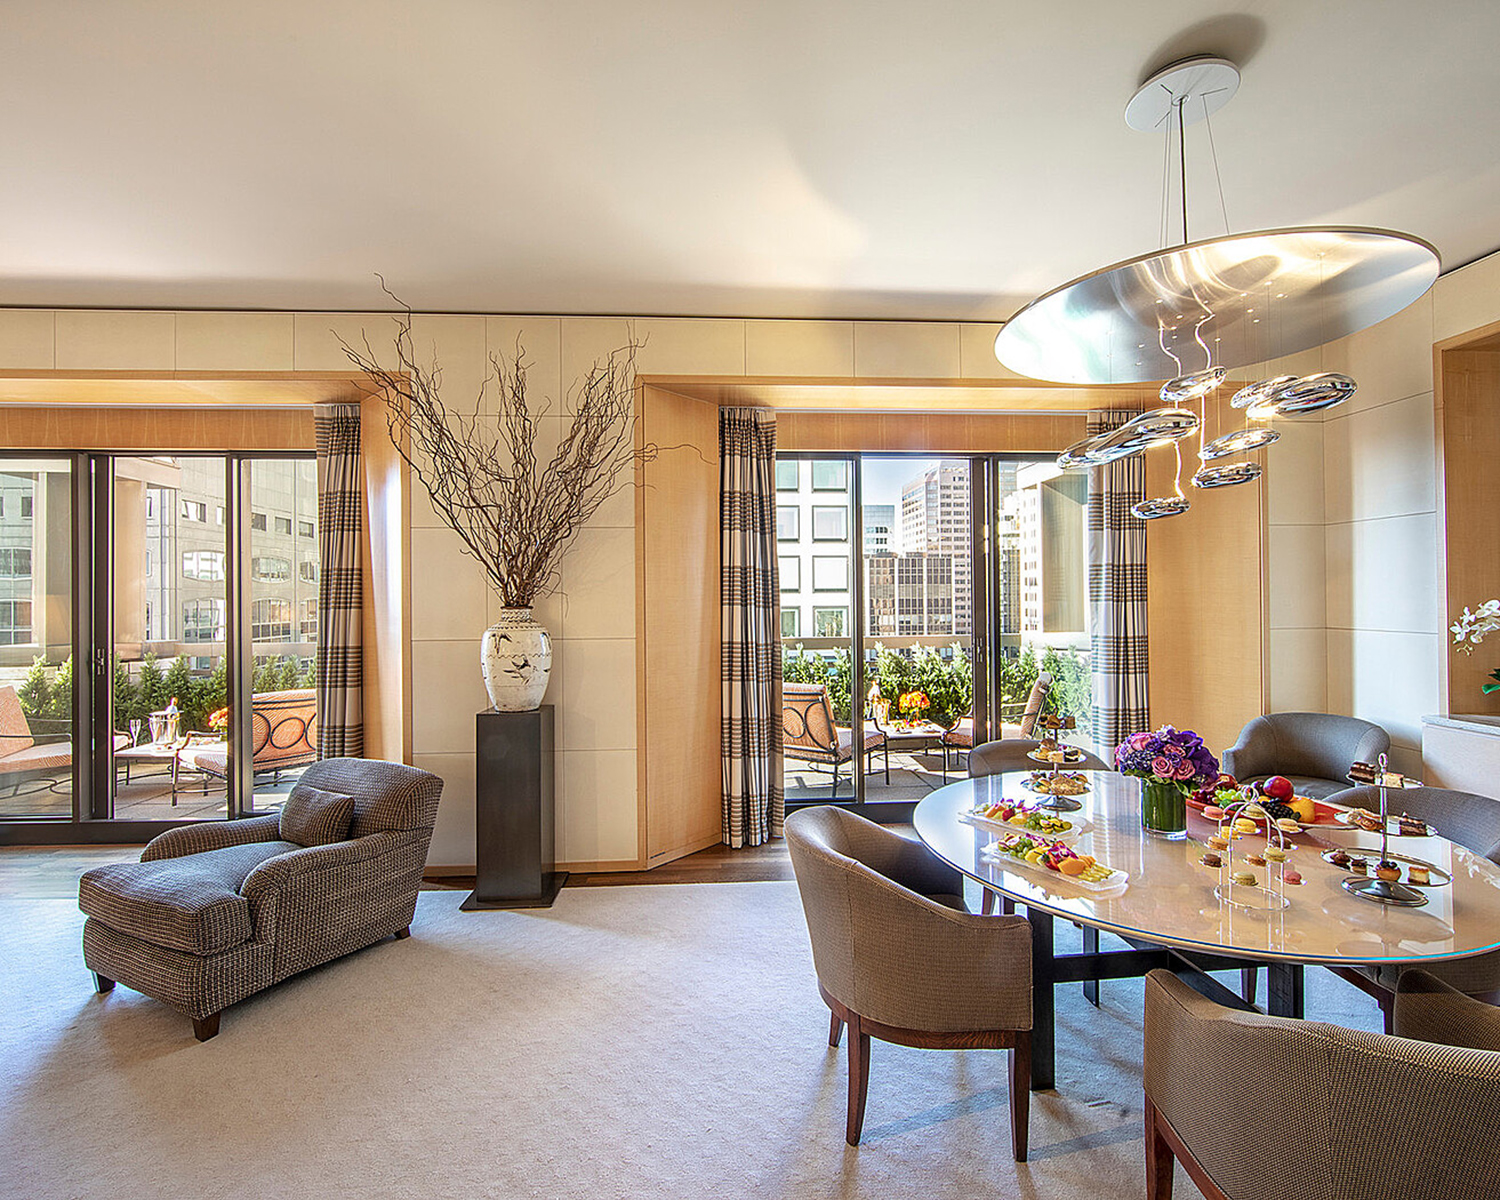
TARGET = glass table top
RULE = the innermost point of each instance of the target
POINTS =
(1170, 899)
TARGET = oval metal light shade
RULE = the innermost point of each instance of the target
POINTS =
(1190, 387)
(1238, 441)
(1227, 475)
(1145, 318)
(1158, 425)
(1314, 393)
(1160, 506)
(1255, 393)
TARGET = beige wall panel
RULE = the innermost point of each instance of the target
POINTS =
(28, 339)
(541, 340)
(315, 345)
(1295, 557)
(451, 599)
(684, 346)
(815, 349)
(457, 345)
(1388, 678)
(227, 341)
(598, 585)
(453, 835)
(1383, 575)
(1298, 661)
(599, 675)
(1204, 573)
(1380, 462)
(1466, 298)
(596, 810)
(1391, 360)
(590, 340)
(1294, 474)
(98, 340)
(941, 432)
(1461, 759)
(447, 689)
(906, 350)
(976, 353)
(679, 685)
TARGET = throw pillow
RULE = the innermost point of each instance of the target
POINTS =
(313, 817)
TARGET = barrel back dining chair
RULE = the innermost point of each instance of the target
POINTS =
(1010, 754)
(899, 958)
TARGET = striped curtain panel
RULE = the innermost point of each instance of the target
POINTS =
(1117, 594)
(341, 722)
(750, 627)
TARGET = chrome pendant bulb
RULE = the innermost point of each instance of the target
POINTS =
(1190, 387)
(1226, 475)
(1314, 393)
(1238, 442)
(1148, 429)
(1256, 393)
(1158, 507)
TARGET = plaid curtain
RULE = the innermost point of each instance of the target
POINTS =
(341, 729)
(750, 627)
(1117, 594)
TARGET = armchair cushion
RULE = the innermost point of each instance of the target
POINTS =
(190, 904)
(313, 817)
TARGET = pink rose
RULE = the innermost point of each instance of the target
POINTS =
(1139, 741)
(1163, 766)
(1186, 770)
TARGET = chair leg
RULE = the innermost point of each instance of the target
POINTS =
(206, 1027)
(102, 984)
(1387, 1002)
(403, 934)
(859, 1079)
(1160, 1164)
(987, 900)
(1248, 976)
(835, 1029)
(1020, 1094)
(835, 793)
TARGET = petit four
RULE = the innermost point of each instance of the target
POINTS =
(1416, 874)
(1387, 870)
(1244, 825)
(1411, 827)
(1219, 843)
(1287, 825)
(1339, 858)
(1256, 860)
(1275, 854)
(1358, 864)
(1247, 878)
(1214, 813)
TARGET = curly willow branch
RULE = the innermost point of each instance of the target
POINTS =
(514, 514)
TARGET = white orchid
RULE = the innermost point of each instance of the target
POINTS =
(1470, 628)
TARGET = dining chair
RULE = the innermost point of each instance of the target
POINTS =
(899, 958)
(1272, 1108)
(1010, 754)
(1313, 750)
(1468, 820)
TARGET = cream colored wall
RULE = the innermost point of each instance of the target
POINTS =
(593, 616)
(1384, 610)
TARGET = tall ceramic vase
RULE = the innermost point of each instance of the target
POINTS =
(516, 658)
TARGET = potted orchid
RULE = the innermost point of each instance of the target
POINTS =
(1170, 763)
(1470, 629)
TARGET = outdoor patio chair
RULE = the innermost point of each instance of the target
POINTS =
(961, 736)
(812, 736)
(283, 735)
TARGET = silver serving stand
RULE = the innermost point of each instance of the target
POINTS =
(1053, 724)
(1368, 887)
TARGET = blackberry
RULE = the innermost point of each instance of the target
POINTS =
(1277, 810)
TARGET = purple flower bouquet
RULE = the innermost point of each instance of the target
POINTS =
(1171, 763)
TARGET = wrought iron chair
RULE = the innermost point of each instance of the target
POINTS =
(812, 736)
(961, 736)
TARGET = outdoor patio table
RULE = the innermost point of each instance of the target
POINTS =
(1170, 917)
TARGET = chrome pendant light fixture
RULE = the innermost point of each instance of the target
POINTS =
(1192, 312)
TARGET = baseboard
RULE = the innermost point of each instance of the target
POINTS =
(666, 856)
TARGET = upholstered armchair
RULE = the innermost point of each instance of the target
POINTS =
(1010, 754)
(899, 958)
(1270, 1108)
(217, 911)
(1313, 750)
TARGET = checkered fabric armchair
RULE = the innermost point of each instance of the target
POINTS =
(215, 912)
(1270, 1108)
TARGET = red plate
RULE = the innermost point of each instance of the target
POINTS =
(1323, 814)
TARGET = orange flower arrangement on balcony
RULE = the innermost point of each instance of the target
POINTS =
(218, 721)
(913, 705)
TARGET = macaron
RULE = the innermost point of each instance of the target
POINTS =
(1245, 878)
(1275, 854)
(1213, 812)
(1291, 877)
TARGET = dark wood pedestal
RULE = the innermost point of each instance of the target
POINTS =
(513, 807)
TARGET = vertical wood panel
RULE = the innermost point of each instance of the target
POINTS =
(386, 617)
(679, 689)
(1206, 572)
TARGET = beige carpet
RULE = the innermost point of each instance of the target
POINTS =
(634, 1041)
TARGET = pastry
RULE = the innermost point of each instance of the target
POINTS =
(1210, 859)
(1387, 870)
(1256, 860)
(1219, 843)
(1287, 825)
(1275, 854)
(1291, 877)
(1365, 819)
(1418, 875)
(1358, 864)
(1363, 772)
(1246, 878)
(1411, 827)
(1339, 858)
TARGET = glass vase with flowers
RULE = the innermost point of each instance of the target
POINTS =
(1170, 763)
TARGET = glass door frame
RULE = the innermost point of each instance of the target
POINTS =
(93, 544)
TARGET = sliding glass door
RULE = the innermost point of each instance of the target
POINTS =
(194, 580)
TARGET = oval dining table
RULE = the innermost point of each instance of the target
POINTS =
(1168, 914)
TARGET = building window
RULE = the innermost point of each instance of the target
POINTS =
(284, 526)
(270, 570)
(787, 523)
(830, 476)
(830, 574)
(258, 521)
(15, 622)
(305, 529)
(307, 571)
(25, 507)
(789, 571)
(271, 620)
(203, 620)
(830, 523)
(309, 620)
(830, 622)
(194, 510)
(15, 564)
(787, 470)
(790, 623)
(201, 564)
(218, 514)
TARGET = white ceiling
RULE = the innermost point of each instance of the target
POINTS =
(755, 158)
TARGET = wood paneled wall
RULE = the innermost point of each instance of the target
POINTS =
(1206, 575)
(1468, 447)
(940, 433)
(39, 427)
(677, 646)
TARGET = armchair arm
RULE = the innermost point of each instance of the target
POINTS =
(907, 861)
(1251, 754)
(1428, 1010)
(303, 871)
(211, 835)
(1363, 1116)
(920, 965)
